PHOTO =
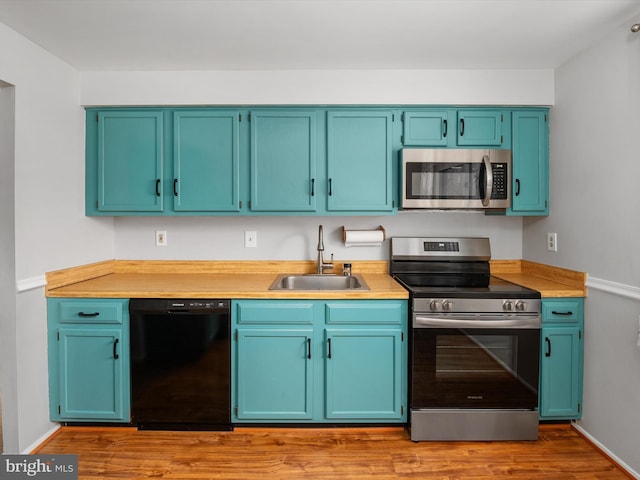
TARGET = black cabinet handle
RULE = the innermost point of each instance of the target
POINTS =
(517, 187)
(461, 127)
(157, 187)
(328, 348)
(115, 349)
(313, 187)
(175, 187)
(330, 187)
(548, 342)
(445, 128)
(308, 348)
(86, 315)
(562, 313)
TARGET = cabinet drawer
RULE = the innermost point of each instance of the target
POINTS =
(274, 312)
(91, 311)
(562, 311)
(376, 312)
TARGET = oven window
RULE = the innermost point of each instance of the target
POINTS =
(443, 180)
(475, 368)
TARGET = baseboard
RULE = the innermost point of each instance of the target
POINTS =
(624, 468)
(42, 441)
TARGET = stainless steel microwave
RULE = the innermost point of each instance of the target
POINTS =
(455, 178)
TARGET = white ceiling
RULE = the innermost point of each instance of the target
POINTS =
(315, 34)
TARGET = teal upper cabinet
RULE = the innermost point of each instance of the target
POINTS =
(359, 161)
(480, 128)
(530, 178)
(426, 128)
(206, 162)
(130, 161)
(451, 128)
(283, 161)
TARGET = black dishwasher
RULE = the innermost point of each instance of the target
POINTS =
(180, 364)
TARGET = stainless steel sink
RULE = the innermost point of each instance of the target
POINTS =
(318, 282)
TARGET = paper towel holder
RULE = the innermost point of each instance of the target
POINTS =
(380, 228)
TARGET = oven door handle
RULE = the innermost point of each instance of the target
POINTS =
(529, 321)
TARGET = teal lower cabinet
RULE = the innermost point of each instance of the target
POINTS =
(88, 360)
(561, 359)
(319, 361)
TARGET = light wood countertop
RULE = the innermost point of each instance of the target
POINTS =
(228, 279)
(252, 279)
(550, 281)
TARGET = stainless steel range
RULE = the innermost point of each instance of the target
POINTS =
(475, 343)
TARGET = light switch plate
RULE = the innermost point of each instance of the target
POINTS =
(250, 239)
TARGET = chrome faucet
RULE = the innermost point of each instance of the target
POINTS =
(321, 265)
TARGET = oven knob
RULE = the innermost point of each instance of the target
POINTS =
(433, 305)
(521, 306)
(446, 305)
(507, 306)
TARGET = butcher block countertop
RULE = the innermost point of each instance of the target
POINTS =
(548, 280)
(210, 279)
(252, 279)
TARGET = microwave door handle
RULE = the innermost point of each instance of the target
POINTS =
(488, 179)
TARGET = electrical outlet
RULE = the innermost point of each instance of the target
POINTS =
(552, 242)
(250, 239)
(161, 238)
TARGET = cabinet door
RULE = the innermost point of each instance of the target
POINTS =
(91, 374)
(480, 128)
(283, 162)
(206, 166)
(427, 128)
(274, 374)
(530, 164)
(363, 373)
(130, 156)
(561, 373)
(359, 161)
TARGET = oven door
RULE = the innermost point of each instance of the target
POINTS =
(475, 362)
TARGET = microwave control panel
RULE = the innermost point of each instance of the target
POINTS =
(499, 171)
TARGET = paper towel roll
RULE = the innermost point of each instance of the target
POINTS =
(363, 238)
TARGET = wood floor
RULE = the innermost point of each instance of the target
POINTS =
(379, 453)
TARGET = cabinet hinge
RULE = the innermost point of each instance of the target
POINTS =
(248, 117)
(97, 116)
(501, 118)
(240, 117)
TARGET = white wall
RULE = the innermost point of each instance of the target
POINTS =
(595, 209)
(347, 87)
(50, 231)
(9, 433)
(296, 238)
